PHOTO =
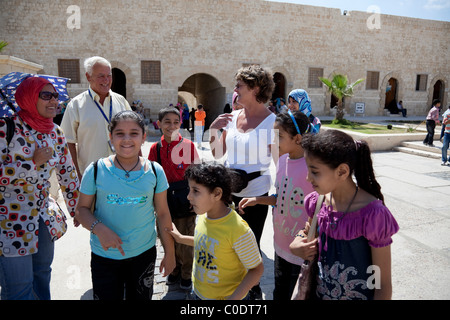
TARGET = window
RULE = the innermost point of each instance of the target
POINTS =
(372, 80)
(421, 82)
(313, 77)
(69, 68)
(151, 72)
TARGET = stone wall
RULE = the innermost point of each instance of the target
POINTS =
(217, 37)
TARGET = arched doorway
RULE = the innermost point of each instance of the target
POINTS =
(280, 86)
(119, 82)
(391, 96)
(207, 91)
(438, 91)
(333, 101)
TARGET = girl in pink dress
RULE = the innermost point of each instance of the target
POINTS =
(355, 227)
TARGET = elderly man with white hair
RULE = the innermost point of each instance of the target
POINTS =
(86, 119)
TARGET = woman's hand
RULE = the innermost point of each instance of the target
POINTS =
(221, 121)
(42, 155)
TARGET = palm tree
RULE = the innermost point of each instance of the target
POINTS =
(3, 44)
(339, 86)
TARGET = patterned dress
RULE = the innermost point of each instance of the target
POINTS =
(24, 188)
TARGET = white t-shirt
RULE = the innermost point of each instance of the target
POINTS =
(250, 151)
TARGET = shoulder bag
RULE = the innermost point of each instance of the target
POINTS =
(307, 279)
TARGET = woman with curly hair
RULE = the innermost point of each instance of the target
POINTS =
(246, 140)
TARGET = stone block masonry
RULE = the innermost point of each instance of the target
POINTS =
(215, 38)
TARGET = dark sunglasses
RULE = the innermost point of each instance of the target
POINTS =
(47, 95)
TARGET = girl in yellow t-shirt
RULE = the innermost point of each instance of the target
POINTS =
(227, 261)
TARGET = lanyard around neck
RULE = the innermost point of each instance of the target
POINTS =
(101, 109)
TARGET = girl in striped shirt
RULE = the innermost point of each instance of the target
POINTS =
(227, 261)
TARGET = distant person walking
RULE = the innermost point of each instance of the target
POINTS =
(200, 116)
(446, 141)
(432, 121)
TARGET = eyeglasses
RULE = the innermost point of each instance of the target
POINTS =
(47, 95)
(239, 85)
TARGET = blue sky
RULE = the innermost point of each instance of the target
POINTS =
(424, 9)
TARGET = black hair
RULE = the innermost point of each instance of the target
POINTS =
(212, 175)
(436, 101)
(164, 111)
(127, 115)
(334, 147)
(285, 121)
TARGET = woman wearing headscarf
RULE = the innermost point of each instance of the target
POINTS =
(30, 220)
(299, 100)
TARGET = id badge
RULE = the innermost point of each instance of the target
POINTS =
(111, 146)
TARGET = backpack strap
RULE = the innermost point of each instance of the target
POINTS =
(95, 171)
(158, 149)
(10, 128)
(154, 172)
(158, 155)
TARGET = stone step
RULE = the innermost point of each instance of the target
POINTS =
(419, 152)
(418, 145)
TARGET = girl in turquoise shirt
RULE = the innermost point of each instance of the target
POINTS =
(127, 191)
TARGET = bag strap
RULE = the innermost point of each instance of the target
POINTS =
(96, 169)
(154, 172)
(158, 149)
(10, 127)
(253, 175)
(312, 235)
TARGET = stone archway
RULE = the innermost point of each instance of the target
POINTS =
(390, 102)
(207, 91)
(280, 86)
(130, 81)
(384, 85)
(437, 90)
(119, 82)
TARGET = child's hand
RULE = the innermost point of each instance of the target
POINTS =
(167, 264)
(176, 235)
(75, 222)
(108, 238)
(303, 249)
(246, 202)
(179, 238)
